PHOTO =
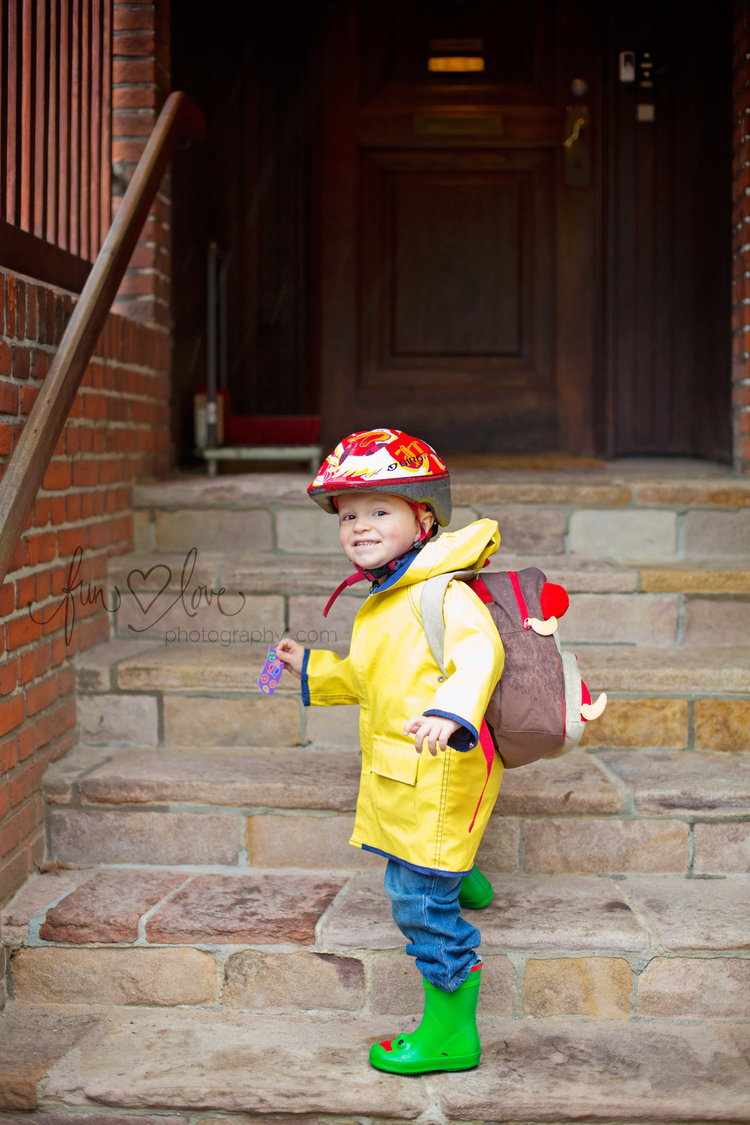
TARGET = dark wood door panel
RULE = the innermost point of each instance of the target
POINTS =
(456, 270)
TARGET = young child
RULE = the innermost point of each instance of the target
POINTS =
(424, 812)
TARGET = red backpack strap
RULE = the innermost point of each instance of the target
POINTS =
(516, 584)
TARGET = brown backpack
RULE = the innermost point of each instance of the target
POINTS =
(535, 709)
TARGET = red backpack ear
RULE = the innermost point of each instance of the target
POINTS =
(554, 600)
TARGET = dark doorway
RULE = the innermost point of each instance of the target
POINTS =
(421, 248)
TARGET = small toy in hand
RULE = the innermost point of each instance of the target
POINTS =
(271, 673)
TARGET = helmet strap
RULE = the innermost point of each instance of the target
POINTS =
(374, 575)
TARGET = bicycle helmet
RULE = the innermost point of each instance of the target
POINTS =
(385, 461)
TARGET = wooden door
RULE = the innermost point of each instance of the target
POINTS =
(667, 158)
(458, 272)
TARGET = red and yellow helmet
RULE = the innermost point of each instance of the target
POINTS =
(385, 461)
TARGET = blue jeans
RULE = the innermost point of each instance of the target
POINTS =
(426, 910)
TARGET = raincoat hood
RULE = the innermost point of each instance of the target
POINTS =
(469, 548)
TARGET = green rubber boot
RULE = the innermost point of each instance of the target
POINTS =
(476, 890)
(446, 1039)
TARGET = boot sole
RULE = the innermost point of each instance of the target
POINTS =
(429, 1067)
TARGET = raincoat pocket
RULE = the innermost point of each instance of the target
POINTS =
(397, 761)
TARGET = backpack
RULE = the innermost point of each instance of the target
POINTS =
(535, 710)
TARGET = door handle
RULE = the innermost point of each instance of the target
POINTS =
(575, 133)
(576, 146)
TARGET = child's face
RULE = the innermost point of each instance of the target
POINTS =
(375, 527)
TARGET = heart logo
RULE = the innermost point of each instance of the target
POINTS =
(144, 575)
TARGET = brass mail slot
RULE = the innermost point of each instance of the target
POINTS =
(430, 125)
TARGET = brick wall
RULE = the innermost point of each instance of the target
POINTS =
(741, 241)
(141, 83)
(118, 430)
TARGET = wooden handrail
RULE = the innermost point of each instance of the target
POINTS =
(25, 470)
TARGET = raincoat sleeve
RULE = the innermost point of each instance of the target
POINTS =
(473, 658)
(326, 679)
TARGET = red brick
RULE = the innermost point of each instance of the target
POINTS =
(5, 358)
(40, 696)
(21, 363)
(22, 631)
(8, 676)
(24, 784)
(24, 592)
(40, 548)
(133, 124)
(91, 633)
(133, 97)
(7, 435)
(64, 715)
(66, 681)
(42, 512)
(31, 312)
(12, 713)
(4, 799)
(26, 743)
(76, 409)
(8, 397)
(8, 755)
(42, 658)
(72, 440)
(20, 826)
(127, 151)
(43, 730)
(59, 651)
(42, 585)
(58, 476)
(40, 363)
(85, 439)
(85, 474)
(96, 375)
(26, 667)
(70, 540)
(7, 598)
(134, 43)
(28, 397)
(126, 17)
(95, 406)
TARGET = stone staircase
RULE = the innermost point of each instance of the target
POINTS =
(205, 946)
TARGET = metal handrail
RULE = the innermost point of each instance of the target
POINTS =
(25, 470)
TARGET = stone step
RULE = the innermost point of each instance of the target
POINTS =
(620, 812)
(649, 947)
(246, 597)
(205, 694)
(75, 1065)
(640, 481)
(648, 508)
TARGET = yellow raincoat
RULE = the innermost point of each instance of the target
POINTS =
(428, 812)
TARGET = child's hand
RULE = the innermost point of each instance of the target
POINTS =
(291, 654)
(434, 728)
